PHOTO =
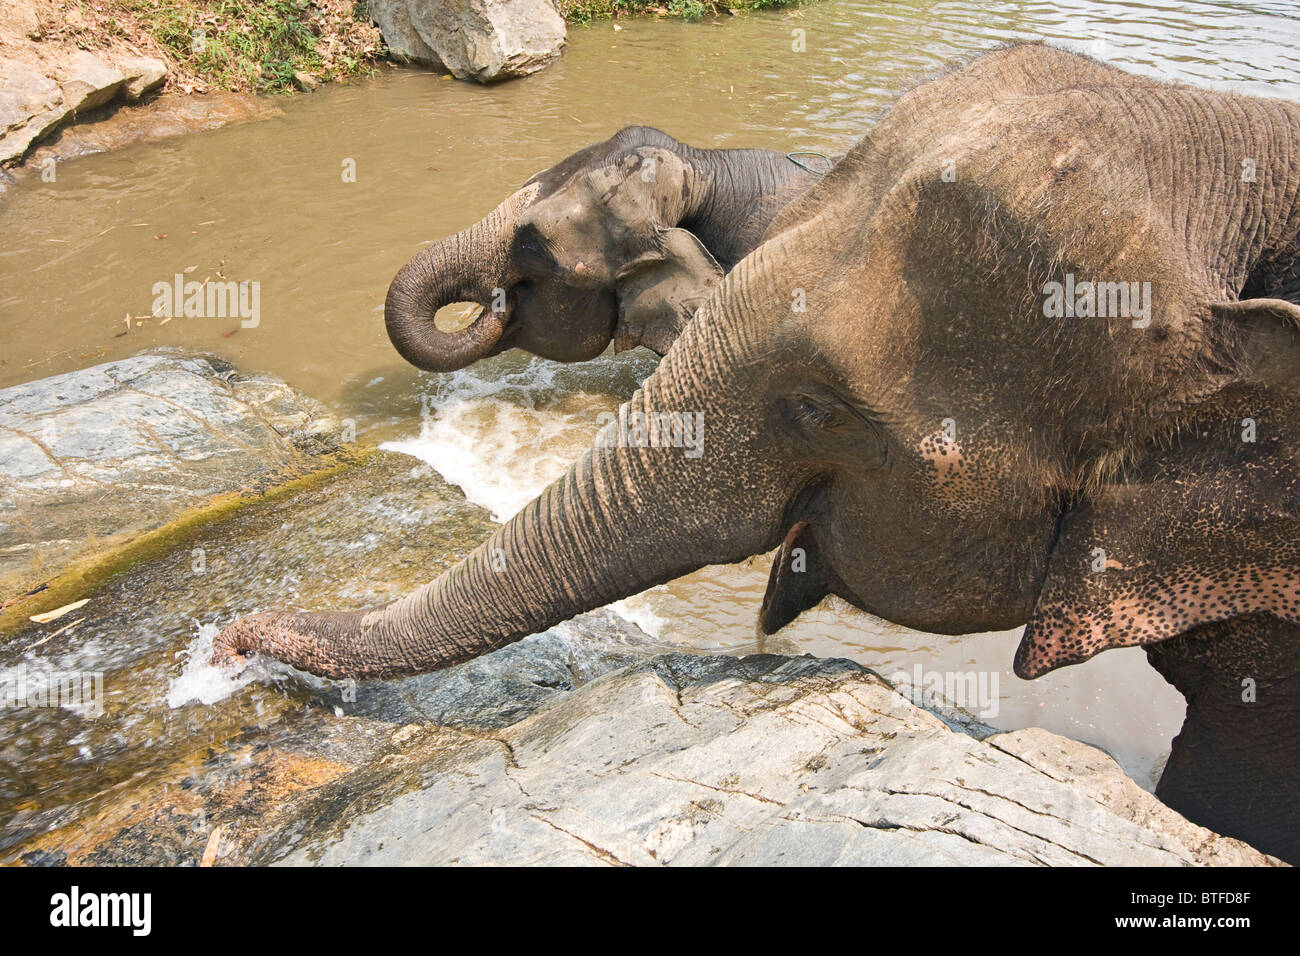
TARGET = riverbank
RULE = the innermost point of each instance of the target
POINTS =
(69, 64)
(586, 11)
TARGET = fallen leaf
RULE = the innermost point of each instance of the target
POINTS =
(58, 612)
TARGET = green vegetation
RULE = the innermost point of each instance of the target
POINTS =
(259, 44)
(585, 11)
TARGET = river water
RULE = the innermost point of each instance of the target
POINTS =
(269, 201)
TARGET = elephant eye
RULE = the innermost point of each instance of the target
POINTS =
(804, 411)
(832, 428)
(531, 252)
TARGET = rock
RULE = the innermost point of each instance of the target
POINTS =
(143, 75)
(21, 18)
(45, 88)
(171, 114)
(305, 82)
(30, 105)
(88, 82)
(762, 760)
(148, 437)
(482, 40)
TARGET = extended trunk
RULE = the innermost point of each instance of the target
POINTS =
(621, 520)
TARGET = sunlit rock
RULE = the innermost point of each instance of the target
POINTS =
(97, 455)
(481, 40)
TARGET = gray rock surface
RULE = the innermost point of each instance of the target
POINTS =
(480, 40)
(88, 82)
(143, 75)
(764, 760)
(37, 97)
(30, 105)
(123, 447)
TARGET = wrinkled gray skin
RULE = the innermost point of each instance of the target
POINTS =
(946, 454)
(622, 241)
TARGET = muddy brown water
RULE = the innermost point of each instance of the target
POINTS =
(270, 202)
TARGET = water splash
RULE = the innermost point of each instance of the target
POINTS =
(199, 680)
(502, 434)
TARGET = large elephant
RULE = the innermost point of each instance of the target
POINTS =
(620, 242)
(1027, 355)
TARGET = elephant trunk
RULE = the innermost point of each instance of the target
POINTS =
(467, 267)
(621, 520)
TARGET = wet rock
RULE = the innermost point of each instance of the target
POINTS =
(168, 115)
(305, 82)
(482, 40)
(717, 760)
(502, 688)
(144, 439)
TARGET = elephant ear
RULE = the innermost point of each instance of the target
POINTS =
(1146, 562)
(660, 291)
(1269, 330)
(1209, 530)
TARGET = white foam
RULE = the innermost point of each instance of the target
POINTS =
(199, 680)
(640, 610)
(503, 436)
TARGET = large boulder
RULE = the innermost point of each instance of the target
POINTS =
(763, 760)
(481, 40)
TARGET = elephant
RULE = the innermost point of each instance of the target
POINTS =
(1026, 356)
(620, 242)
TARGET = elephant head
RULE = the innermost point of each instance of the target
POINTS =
(621, 241)
(891, 392)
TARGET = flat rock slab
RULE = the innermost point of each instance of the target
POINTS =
(764, 760)
(122, 448)
(168, 115)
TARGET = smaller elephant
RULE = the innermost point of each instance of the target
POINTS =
(620, 242)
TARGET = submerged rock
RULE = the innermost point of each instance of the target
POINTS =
(121, 448)
(481, 40)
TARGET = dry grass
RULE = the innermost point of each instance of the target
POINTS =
(253, 45)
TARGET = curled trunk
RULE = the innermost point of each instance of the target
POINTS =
(466, 267)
